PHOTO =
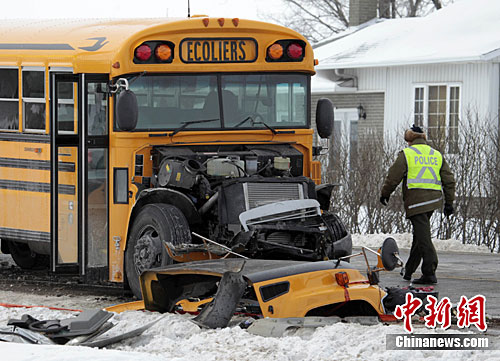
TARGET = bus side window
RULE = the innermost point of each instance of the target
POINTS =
(66, 106)
(34, 99)
(9, 99)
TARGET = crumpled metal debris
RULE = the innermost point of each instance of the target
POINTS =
(278, 327)
(85, 329)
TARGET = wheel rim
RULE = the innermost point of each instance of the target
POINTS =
(147, 251)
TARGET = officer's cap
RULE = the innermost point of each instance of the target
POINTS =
(413, 133)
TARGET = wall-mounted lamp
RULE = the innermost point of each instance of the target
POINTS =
(361, 112)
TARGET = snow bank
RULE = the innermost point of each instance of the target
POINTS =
(24, 352)
(404, 240)
(174, 337)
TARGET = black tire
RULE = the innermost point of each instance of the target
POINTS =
(337, 231)
(155, 223)
(336, 226)
(25, 258)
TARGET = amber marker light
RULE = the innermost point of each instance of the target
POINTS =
(221, 21)
(275, 51)
(236, 21)
(116, 65)
(163, 52)
(342, 278)
(316, 62)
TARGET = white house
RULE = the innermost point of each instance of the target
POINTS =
(427, 70)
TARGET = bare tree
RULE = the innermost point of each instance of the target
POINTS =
(413, 7)
(314, 18)
(437, 4)
(319, 19)
(475, 163)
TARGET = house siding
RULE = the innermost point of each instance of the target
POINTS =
(479, 88)
(373, 103)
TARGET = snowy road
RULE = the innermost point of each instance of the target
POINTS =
(463, 269)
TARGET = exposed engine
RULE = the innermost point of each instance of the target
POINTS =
(254, 199)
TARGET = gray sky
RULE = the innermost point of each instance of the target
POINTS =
(245, 9)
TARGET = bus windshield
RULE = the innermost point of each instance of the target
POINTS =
(232, 101)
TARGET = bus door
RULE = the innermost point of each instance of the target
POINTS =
(79, 185)
(66, 160)
(96, 176)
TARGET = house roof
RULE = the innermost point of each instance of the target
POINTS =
(466, 31)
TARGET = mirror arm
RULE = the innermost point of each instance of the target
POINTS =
(120, 84)
(371, 250)
(351, 256)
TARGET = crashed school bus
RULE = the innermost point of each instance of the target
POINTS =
(120, 140)
(217, 290)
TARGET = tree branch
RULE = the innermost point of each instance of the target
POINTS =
(437, 4)
(314, 16)
(318, 19)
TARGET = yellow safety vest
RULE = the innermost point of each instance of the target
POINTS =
(424, 164)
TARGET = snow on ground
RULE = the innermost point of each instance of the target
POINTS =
(69, 301)
(404, 240)
(174, 337)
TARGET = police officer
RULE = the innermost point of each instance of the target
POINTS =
(426, 177)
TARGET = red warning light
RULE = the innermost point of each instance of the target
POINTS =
(295, 51)
(143, 52)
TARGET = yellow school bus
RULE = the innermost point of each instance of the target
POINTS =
(128, 144)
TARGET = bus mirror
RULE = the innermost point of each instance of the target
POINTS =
(127, 110)
(324, 117)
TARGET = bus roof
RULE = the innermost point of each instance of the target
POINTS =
(94, 45)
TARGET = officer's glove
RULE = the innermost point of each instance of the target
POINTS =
(448, 210)
(384, 200)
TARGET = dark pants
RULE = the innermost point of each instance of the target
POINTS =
(422, 247)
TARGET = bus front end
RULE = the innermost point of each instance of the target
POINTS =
(212, 148)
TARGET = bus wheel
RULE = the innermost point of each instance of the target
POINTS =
(155, 223)
(25, 258)
(337, 231)
(337, 227)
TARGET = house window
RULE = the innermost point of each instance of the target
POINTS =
(454, 111)
(437, 107)
(9, 99)
(34, 99)
(436, 113)
(419, 106)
